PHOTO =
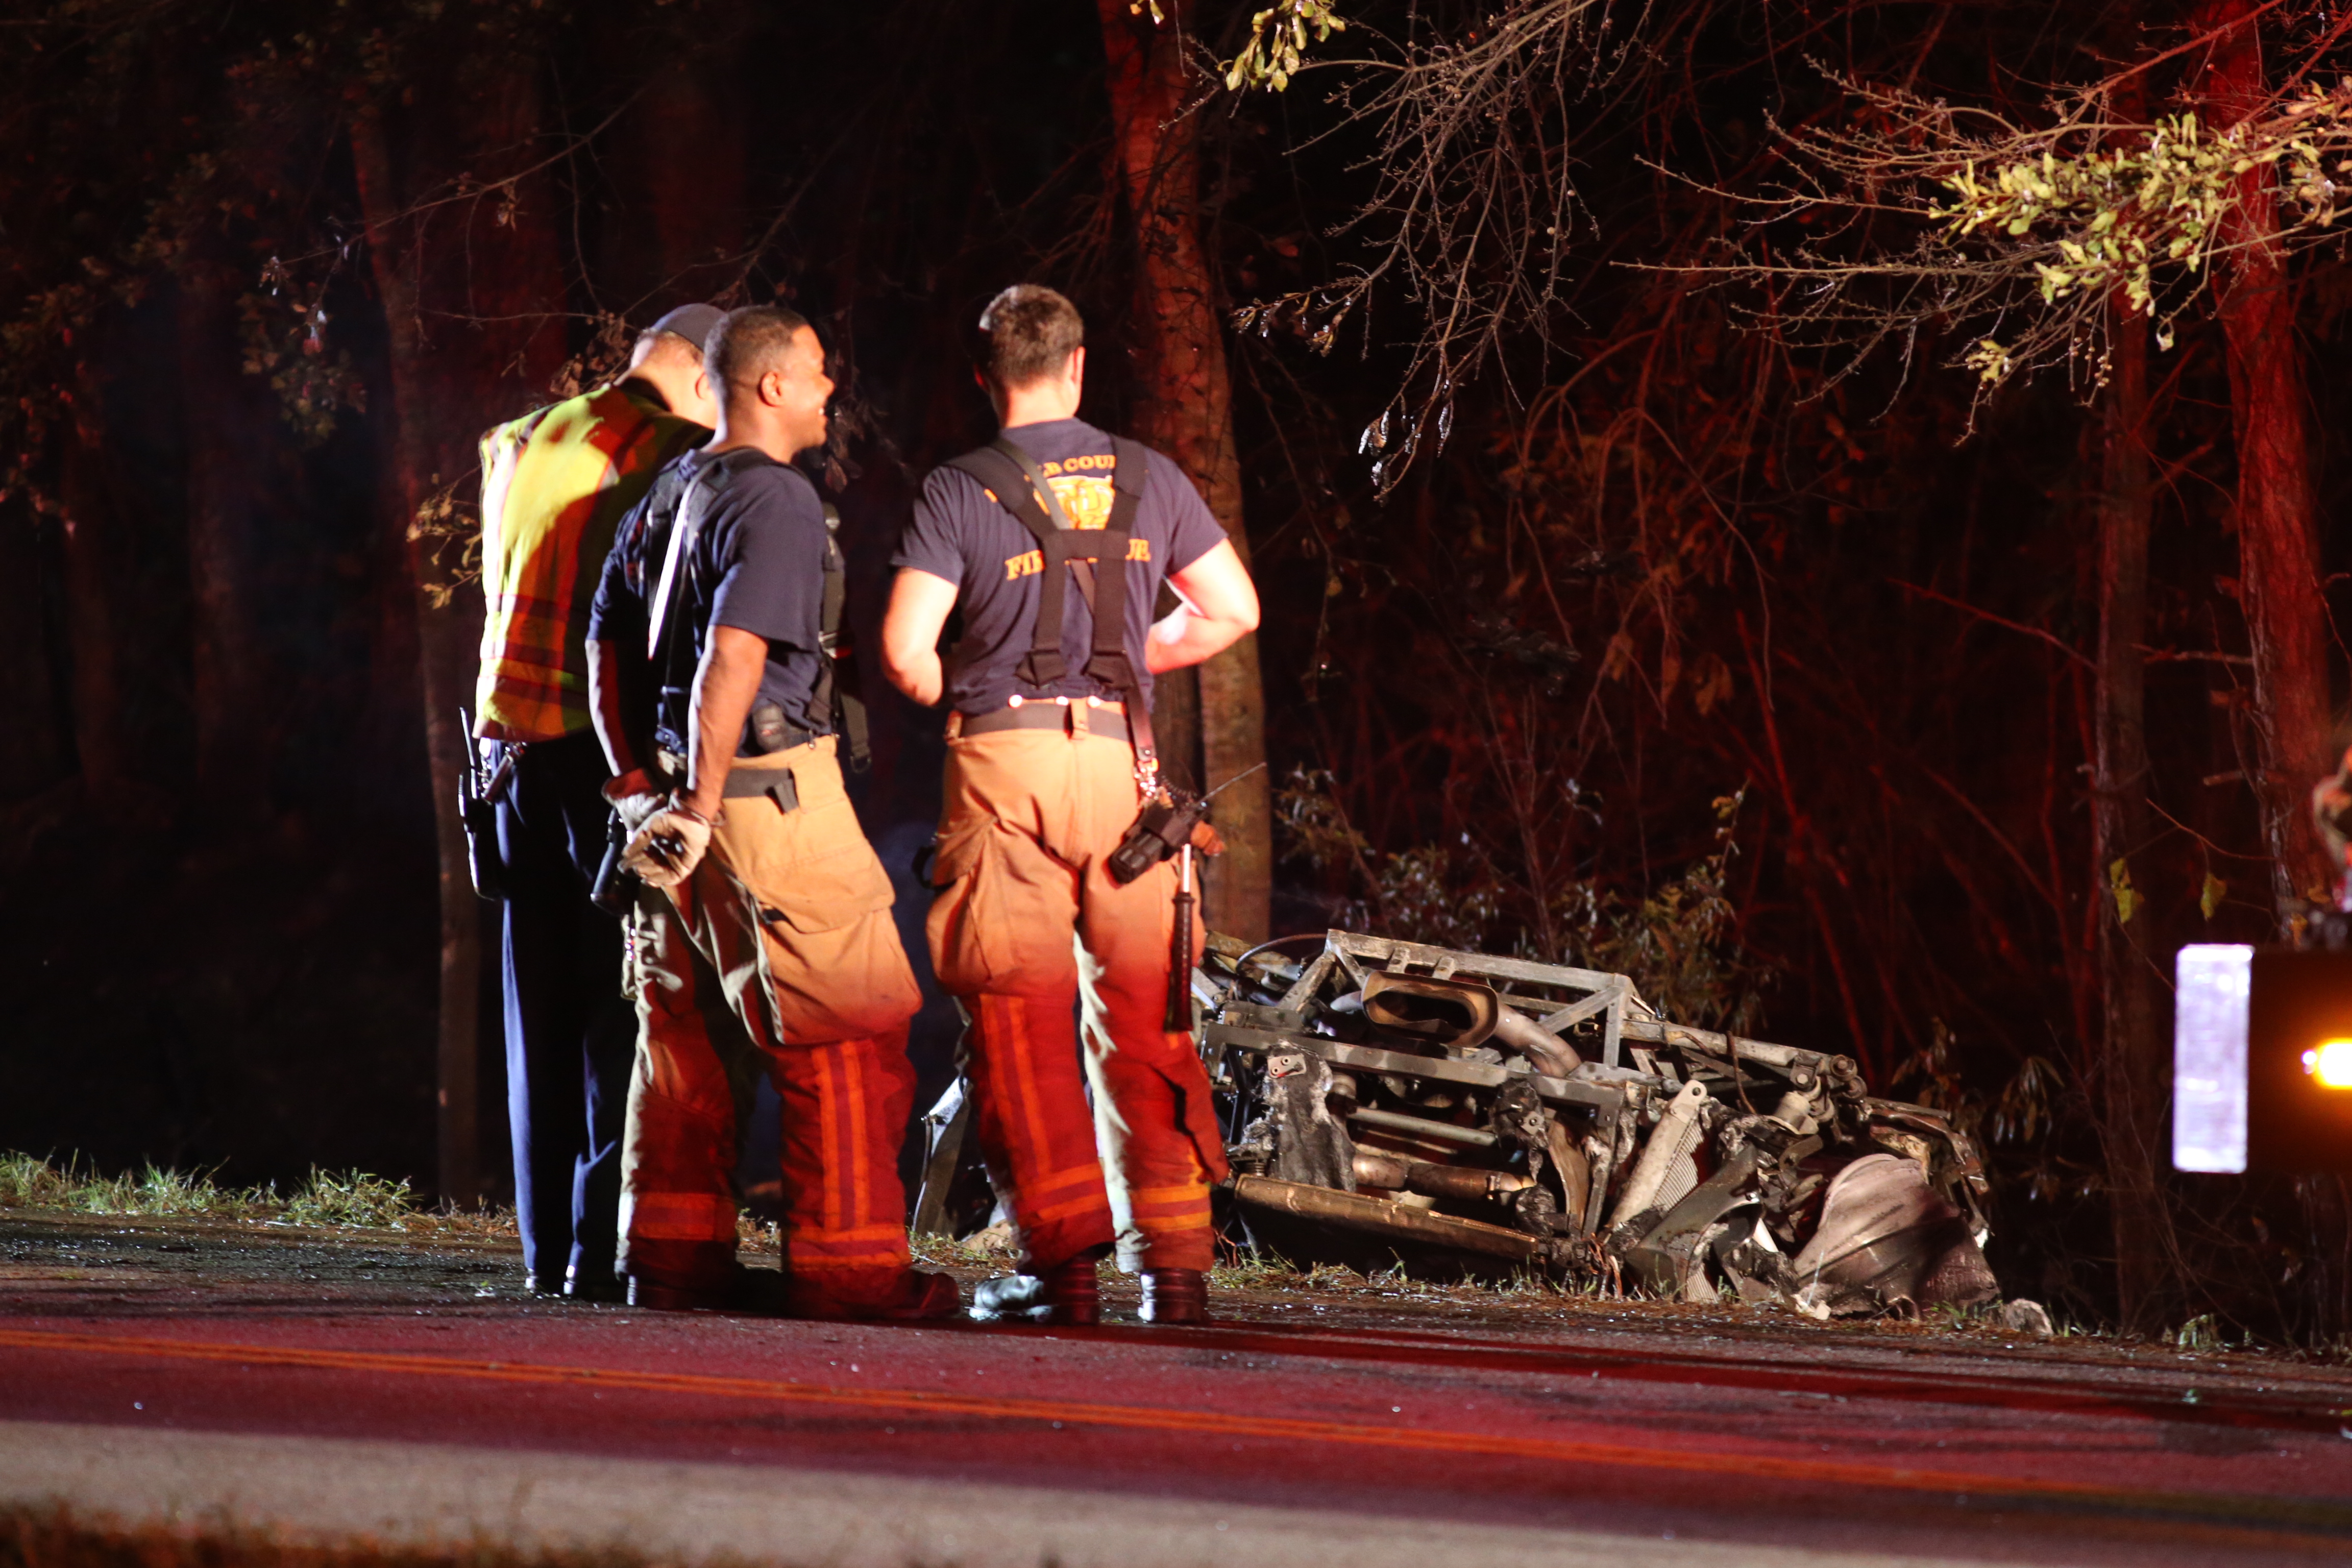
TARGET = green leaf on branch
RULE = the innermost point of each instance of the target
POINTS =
(2120, 883)
(1279, 42)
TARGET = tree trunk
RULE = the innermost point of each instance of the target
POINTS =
(1185, 409)
(1176, 725)
(2278, 546)
(2132, 1062)
(29, 711)
(682, 233)
(225, 439)
(473, 295)
(94, 580)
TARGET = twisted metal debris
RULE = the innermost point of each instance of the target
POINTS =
(1389, 1099)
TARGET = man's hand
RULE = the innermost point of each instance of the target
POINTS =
(668, 845)
(633, 798)
(919, 604)
(1223, 610)
(629, 786)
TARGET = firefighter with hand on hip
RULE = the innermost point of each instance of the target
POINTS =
(1055, 541)
(761, 934)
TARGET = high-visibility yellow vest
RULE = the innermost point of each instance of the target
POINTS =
(555, 485)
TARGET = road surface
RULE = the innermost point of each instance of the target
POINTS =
(371, 1384)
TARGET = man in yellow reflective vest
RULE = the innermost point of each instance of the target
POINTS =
(554, 484)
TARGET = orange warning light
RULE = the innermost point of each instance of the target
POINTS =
(2330, 1064)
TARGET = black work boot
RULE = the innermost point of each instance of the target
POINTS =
(593, 1286)
(751, 1292)
(1175, 1296)
(654, 1296)
(1063, 1295)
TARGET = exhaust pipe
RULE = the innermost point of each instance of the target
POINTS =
(1463, 1181)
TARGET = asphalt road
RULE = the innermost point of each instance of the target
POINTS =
(368, 1383)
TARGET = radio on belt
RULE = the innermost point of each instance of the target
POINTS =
(1169, 820)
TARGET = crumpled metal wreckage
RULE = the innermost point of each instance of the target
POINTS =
(1389, 1101)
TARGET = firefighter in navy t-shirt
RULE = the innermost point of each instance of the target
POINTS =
(1042, 783)
(774, 908)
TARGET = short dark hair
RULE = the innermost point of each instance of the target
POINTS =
(748, 344)
(1031, 332)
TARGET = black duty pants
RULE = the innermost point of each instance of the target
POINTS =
(571, 1034)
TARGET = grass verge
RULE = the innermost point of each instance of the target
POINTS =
(339, 1199)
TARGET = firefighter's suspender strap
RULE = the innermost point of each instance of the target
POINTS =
(837, 681)
(1013, 479)
(693, 500)
(670, 634)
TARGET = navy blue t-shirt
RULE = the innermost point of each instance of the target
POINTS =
(964, 536)
(757, 564)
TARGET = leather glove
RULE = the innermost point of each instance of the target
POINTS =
(634, 798)
(668, 846)
(637, 808)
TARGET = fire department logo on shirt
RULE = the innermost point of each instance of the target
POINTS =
(1086, 498)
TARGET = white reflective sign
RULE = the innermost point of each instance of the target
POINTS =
(2209, 1057)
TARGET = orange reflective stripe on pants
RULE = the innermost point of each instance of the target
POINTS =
(1024, 1056)
(692, 1217)
(677, 1153)
(1031, 816)
(777, 957)
(845, 1107)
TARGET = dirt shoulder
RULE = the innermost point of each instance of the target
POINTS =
(59, 1263)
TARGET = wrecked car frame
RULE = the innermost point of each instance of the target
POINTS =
(1475, 1111)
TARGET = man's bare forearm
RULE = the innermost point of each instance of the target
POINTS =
(1201, 640)
(605, 708)
(919, 604)
(1223, 609)
(725, 686)
(921, 678)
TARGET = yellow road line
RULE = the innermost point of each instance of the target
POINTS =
(2270, 1513)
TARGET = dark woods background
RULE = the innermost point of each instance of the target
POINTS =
(1681, 645)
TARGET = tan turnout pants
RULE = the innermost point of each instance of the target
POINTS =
(1031, 815)
(778, 955)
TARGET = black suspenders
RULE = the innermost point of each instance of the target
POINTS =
(1169, 818)
(1013, 480)
(837, 691)
(671, 641)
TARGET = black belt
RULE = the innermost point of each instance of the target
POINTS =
(743, 783)
(793, 735)
(1047, 714)
(776, 783)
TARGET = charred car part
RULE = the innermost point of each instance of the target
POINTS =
(1386, 1100)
